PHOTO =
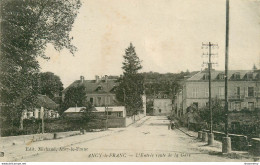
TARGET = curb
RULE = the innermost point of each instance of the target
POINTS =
(185, 133)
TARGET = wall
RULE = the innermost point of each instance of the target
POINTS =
(116, 122)
(131, 119)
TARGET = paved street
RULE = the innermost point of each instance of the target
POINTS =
(146, 140)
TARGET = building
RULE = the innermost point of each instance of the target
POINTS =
(162, 104)
(45, 103)
(111, 112)
(100, 92)
(243, 90)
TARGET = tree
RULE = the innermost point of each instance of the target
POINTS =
(49, 84)
(132, 63)
(218, 112)
(26, 29)
(131, 88)
(75, 96)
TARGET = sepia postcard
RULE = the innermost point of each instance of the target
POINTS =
(130, 81)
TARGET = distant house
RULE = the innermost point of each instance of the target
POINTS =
(49, 106)
(100, 92)
(162, 104)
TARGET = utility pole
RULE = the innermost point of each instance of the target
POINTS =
(209, 63)
(226, 141)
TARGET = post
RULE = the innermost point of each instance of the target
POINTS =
(210, 135)
(42, 110)
(226, 141)
(209, 66)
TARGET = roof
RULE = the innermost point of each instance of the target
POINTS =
(96, 109)
(75, 109)
(95, 87)
(110, 109)
(46, 102)
(215, 73)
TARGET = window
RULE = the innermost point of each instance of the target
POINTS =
(160, 110)
(250, 91)
(237, 106)
(195, 92)
(99, 100)
(251, 106)
(221, 76)
(195, 104)
(206, 76)
(221, 92)
(238, 91)
(107, 100)
(109, 113)
(119, 114)
(237, 76)
(206, 92)
(165, 96)
(91, 100)
(249, 76)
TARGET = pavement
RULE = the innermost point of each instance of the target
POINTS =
(216, 148)
(147, 140)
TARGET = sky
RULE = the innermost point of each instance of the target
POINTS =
(167, 35)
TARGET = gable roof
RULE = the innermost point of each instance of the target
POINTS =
(46, 102)
(93, 87)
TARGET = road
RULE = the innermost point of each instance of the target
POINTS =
(148, 140)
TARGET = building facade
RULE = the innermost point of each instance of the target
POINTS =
(162, 104)
(100, 92)
(243, 91)
(44, 105)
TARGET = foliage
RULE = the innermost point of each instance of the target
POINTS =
(26, 29)
(169, 82)
(130, 89)
(49, 84)
(132, 63)
(75, 96)
(218, 112)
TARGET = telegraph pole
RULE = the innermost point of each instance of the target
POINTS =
(226, 141)
(209, 54)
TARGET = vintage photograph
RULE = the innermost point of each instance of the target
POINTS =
(130, 81)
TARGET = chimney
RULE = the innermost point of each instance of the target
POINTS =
(97, 79)
(106, 78)
(81, 79)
